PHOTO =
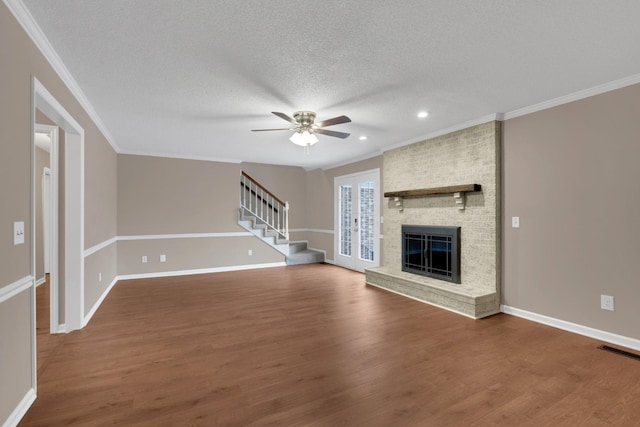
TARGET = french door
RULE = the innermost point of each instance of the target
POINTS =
(357, 220)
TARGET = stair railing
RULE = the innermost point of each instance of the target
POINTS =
(265, 206)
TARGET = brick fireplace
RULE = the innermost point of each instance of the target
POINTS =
(469, 156)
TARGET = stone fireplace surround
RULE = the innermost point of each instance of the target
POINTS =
(467, 156)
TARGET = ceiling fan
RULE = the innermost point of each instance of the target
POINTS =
(305, 127)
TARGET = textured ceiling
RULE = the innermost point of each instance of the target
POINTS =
(191, 78)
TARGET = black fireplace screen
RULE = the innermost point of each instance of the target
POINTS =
(432, 251)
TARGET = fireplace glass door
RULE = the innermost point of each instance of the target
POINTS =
(432, 251)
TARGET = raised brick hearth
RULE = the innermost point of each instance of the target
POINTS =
(468, 156)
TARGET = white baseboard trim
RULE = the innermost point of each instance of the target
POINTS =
(95, 307)
(573, 327)
(13, 289)
(329, 261)
(21, 409)
(100, 300)
(40, 281)
(200, 271)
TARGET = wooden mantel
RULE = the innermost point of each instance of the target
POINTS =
(458, 192)
(466, 188)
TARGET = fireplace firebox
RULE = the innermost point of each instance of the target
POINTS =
(432, 251)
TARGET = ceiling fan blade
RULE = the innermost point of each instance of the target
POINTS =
(285, 117)
(342, 135)
(266, 130)
(335, 121)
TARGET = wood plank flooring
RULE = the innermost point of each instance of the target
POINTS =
(46, 343)
(311, 345)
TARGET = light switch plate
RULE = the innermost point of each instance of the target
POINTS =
(515, 222)
(18, 232)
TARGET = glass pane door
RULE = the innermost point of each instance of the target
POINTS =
(345, 217)
(357, 220)
(367, 204)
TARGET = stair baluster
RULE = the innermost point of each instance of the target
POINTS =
(267, 217)
(265, 206)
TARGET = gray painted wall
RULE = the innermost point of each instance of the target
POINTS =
(571, 174)
(21, 60)
(174, 196)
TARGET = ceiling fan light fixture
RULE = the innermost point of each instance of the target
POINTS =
(304, 138)
(305, 127)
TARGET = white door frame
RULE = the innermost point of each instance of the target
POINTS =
(73, 171)
(354, 263)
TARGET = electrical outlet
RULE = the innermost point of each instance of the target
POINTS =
(606, 302)
(99, 277)
(163, 258)
(515, 222)
(144, 259)
(249, 252)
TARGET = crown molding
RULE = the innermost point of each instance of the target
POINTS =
(352, 160)
(576, 96)
(450, 129)
(25, 19)
(178, 156)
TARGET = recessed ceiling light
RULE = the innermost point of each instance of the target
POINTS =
(423, 114)
(363, 138)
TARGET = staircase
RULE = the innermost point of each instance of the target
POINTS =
(267, 217)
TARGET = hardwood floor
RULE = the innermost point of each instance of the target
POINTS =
(312, 345)
(46, 343)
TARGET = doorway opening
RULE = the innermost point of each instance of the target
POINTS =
(66, 250)
(46, 149)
